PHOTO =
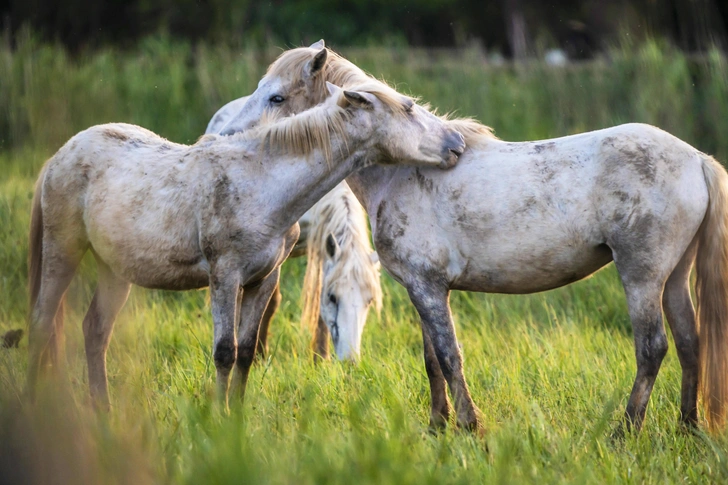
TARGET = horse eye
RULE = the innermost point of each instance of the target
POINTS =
(276, 99)
(332, 298)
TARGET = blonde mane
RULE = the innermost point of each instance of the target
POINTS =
(308, 131)
(341, 72)
(473, 131)
(342, 215)
(297, 135)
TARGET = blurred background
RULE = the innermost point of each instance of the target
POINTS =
(514, 28)
(528, 68)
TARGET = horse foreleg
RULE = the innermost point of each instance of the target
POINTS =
(255, 302)
(273, 304)
(440, 412)
(431, 302)
(111, 294)
(225, 297)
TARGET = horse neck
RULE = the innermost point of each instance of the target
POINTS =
(302, 181)
(369, 185)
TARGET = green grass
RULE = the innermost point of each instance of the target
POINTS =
(550, 372)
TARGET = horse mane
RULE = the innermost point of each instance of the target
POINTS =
(343, 216)
(341, 72)
(307, 131)
(297, 135)
(472, 130)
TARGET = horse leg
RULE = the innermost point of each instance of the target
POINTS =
(110, 296)
(681, 318)
(644, 297)
(57, 269)
(225, 296)
(255, 301)
(440, 412)
(54, 354)
(431, 302)
(320, 342)
(275, 302)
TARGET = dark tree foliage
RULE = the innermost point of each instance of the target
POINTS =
(511, 26)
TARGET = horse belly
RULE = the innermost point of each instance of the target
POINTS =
(173, 268)
(145, 255)
(520, 269)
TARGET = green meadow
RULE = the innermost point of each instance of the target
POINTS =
(551, 372)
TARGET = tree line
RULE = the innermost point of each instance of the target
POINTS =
(513, 27)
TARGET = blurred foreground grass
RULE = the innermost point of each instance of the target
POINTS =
(551, 372)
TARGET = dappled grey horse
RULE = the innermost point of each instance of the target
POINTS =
(531, 216)
(221, 213)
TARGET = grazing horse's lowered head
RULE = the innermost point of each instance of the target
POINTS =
(342, 274)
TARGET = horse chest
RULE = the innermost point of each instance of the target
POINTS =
(252, 252)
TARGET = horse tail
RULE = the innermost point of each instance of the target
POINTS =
(35, 251)
(312, 281)
(712, 296)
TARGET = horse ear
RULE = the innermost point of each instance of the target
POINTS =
(318, 45)
(360, 100)
(374, 257)
(332, 88)
(316, 65)
(332, 247)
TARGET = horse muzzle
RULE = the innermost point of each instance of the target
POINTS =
(454, 147)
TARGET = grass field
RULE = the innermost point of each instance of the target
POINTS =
(550, 372)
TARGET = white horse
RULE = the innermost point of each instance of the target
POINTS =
(221, 213)
(528, 217)
(342, 272)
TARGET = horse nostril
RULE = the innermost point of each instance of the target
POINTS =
(456, 143)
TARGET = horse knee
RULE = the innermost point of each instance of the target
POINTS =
(652, 350)
(245, 357)
(224, 355)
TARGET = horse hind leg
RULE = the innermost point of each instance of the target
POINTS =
(110, 296)
(57, 269)
(681, 318)
(270, 311)
(643, 289)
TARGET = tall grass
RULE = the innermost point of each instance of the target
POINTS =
(551, 372)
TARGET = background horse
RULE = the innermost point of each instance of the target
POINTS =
(342, 271)
(528, 217)
(221, 213)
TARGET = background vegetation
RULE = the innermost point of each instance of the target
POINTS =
(515, 28)
(551, 372)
